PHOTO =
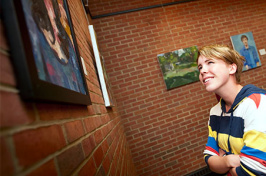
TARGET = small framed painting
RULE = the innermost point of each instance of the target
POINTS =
(44, 51)
(179, 67)
(245, 45)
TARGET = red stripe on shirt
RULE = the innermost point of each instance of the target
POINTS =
(256, 98)
(212, 150)
(255, 158)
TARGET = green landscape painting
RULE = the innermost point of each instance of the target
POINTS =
(179, 67)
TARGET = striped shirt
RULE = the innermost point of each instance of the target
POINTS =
(240, 131)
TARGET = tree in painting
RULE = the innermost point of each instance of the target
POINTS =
(179, 67)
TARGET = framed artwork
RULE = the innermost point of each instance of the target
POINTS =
(245, 45)
(179, 67)
(44, 51)
(105, 86)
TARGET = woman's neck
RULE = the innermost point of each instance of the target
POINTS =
(230, 94)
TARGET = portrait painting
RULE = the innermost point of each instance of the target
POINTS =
(48, 46)
(244, 44)
(54, 51)
(179, 67)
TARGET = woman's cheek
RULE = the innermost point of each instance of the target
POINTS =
(200, 78)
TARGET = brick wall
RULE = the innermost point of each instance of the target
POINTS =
(167, 130)
(59, 139)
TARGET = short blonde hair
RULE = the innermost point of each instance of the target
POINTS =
(226, 54)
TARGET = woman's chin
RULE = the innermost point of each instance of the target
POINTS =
(210, 88)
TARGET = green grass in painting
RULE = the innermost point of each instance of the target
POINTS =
(176, 81)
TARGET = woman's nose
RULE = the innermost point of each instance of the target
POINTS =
(203, 69)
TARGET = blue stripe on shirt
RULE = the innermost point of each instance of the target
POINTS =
(222, 125)
(212, 143)
(254, 152)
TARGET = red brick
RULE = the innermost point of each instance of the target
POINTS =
(113, 169)
(105, 118)
(171, 111)
(96, 98)
(35, 144)
(98, 136)
(7, 167)
(98, 156)
(90, 123)
(89, 169)
(46, 169)
(91, 110)
(60, 111)
(150, 99)
(14, 111)
(96, 108)
(69, 160)
(74, 130)
(103, 109)
(88, 145)
(105, 146)
(106, 164)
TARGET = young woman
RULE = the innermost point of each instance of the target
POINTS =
(237, 126)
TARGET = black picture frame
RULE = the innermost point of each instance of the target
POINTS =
(41, 73)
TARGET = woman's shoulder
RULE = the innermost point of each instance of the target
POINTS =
(256, 100)
(216, 109)
(253, 107)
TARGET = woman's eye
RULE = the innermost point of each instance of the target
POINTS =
(199, 68)
(210, 62)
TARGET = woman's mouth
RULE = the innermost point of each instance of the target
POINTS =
(205, 80)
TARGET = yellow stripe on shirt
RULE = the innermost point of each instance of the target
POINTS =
(223, 139)
(236, 144)
(212, 133)
(255, 139)
(250, 173)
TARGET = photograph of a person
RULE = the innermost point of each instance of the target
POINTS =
(52, 40)
(179, 67)
(245, 45)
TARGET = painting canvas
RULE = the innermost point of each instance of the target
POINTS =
(244, 43)
(107, 96)
(107, 83)
(44, 50)
(53, 46)
(179, 67)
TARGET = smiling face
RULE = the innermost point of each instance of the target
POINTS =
(214, 73)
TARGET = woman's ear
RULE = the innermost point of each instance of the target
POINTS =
(233, 68)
